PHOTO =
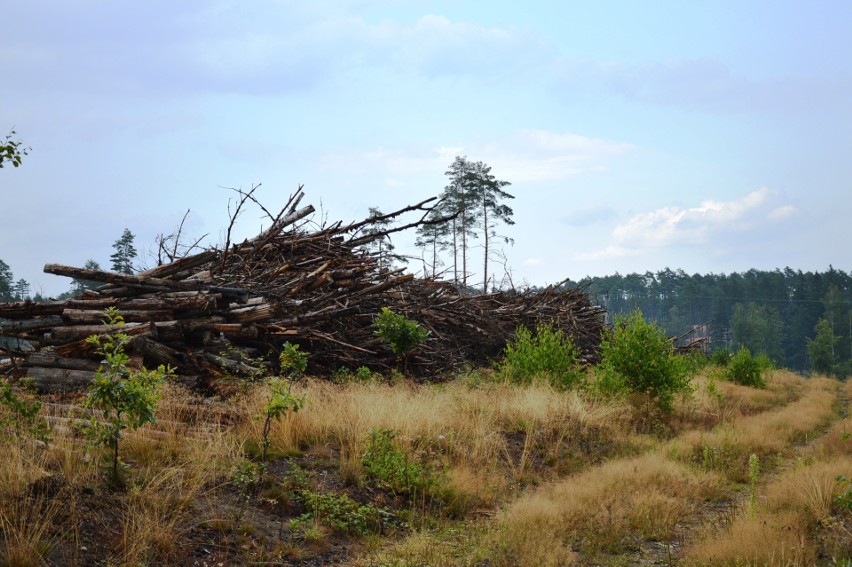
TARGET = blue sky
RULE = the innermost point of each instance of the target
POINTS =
(707, 136)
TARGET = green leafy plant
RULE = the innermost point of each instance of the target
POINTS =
(641, 354)
(343, 375)
(293, 362)
(280, 403)
(390, 465)
(247, 479)
(22, 416)
(720, 357)
(341, 513)
(745, 369)
(127, 398)
(548, 352)
(843, 499)
(400, 334)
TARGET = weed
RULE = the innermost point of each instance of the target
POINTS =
(22, 415)
(753, 475)
(843, 499)
(341, 513)
(390, 465)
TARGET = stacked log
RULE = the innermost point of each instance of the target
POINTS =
(224, 311)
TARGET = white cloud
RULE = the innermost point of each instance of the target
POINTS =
(782, 213)
(532, 262)
(711, 223)
(523, 156)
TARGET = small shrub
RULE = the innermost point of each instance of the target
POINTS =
(293, 362)
(744, 369)
(720, 357)
(390, 465)
(343, 375)
(280, 403)
(22, 415)
(400, 334)
(548, 352)
(641, 354)
(340, 513)
(128, 398)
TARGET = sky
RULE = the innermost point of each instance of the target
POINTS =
(708, 136)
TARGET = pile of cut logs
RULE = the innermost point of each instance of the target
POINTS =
(225, 311)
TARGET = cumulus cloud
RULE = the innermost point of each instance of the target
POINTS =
(707, 224)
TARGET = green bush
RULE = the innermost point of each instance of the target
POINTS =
(390, 465)
(548, 352)
(720, 357)
(745, 369)
(400, 334)
(641, 354)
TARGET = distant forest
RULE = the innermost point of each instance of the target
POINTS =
(767, 312)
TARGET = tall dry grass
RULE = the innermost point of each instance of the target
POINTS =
(602, 510)
(770, 433)
(467, 425)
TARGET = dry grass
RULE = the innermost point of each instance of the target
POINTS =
(604, 508)
(770, 433)
(468, 426)
(782, 529)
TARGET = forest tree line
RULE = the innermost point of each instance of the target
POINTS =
(776, 313)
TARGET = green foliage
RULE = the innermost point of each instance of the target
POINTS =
(128, 398)
(843, 499)
(22, 415)
(11, 151)
(122, 258)
(548, 353)
(641, 354)
(745, 369)
(341, 513)
(280, 403)
(390, 465)
(720, 357)
(400, 334)
(821, 348)
(293, 362)
(343, 375)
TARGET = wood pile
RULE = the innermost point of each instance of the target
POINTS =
(222, 311)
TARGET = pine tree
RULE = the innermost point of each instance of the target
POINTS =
(488, 191)
(432, 237)
(6, 281)
(122, 258)
(79, 286)
(382, 245)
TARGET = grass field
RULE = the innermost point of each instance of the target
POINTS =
(474, 471)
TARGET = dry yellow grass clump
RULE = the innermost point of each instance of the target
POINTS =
(601, 510)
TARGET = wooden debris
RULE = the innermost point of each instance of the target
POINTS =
(222, 311)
